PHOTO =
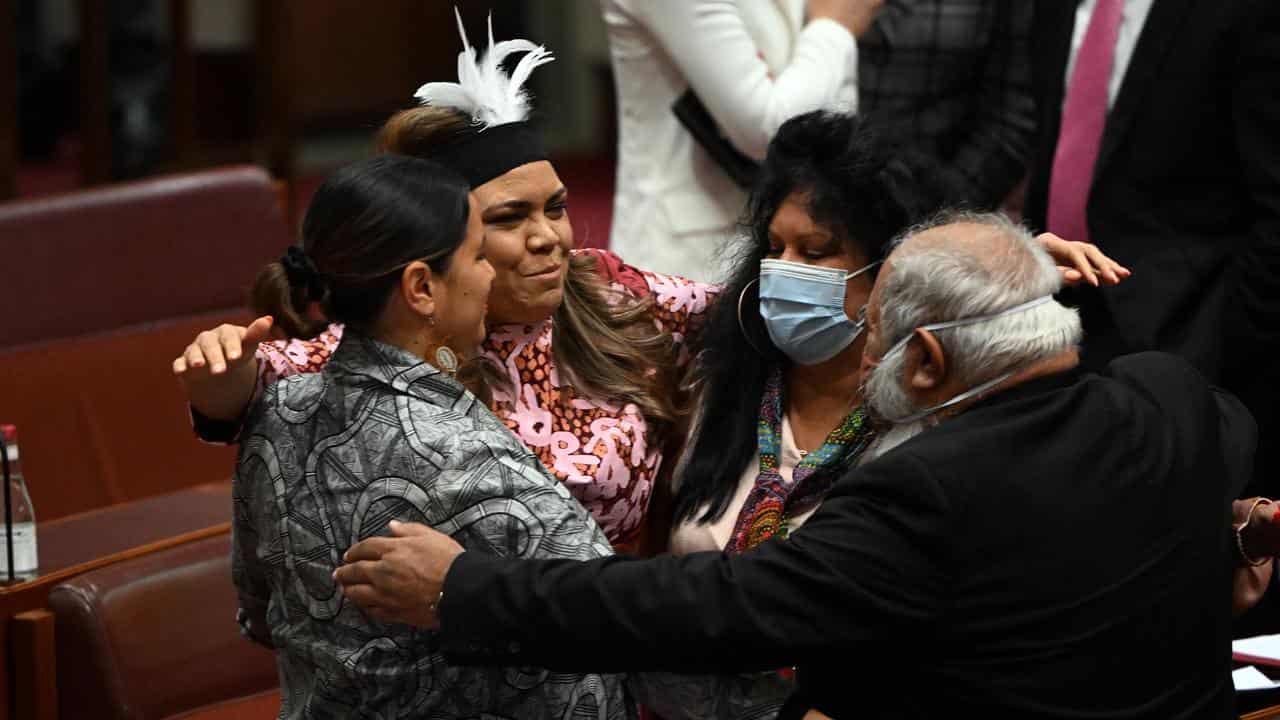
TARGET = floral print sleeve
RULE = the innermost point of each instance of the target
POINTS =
(282, 358)
(276, 359)
(679, 303)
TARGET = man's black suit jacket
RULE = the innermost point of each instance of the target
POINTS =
(1186, 191)
(1058, 551)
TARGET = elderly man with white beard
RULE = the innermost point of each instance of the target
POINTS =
(1041, 542)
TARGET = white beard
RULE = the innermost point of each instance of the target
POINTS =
(893, 437)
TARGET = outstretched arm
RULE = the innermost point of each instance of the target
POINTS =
(219, 369)
(224, 369)
(870, 563)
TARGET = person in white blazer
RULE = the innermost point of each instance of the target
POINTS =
(753, 64)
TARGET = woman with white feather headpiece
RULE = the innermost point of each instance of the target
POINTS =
(590, 351)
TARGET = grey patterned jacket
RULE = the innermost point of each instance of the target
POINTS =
(329, 459)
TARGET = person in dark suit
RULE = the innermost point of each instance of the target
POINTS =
(1160, 142)
(1042, 542)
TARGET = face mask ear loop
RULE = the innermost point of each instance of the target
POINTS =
(863, 269)
(860, 320)
(742, 296)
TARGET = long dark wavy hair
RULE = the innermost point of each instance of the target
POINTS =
(866, 194)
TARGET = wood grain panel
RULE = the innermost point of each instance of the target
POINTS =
(35, 666)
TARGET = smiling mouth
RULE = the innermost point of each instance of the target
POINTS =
(546, 272)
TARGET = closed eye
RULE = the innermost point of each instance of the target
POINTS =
(507, 213)
(506, 219)
(558, 203)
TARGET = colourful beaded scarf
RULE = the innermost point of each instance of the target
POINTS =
(772, 500)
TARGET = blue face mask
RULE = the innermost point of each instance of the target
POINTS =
(803, 309)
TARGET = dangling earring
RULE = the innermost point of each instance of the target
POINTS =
(446, 359)
(431, 320)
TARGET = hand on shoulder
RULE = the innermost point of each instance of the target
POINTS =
(1081, 262)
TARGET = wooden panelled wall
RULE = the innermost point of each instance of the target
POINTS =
(315, 64)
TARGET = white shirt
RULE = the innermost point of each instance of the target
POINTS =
(754, 64)
(692, 536)
(1133, 18)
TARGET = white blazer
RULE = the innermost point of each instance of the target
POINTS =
(754, 64)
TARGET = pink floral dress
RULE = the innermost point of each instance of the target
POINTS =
(597, 447)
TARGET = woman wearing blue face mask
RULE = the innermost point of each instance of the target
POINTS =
(779, 413)
(778, 416)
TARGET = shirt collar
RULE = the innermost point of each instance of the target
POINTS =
(362, 358)
(1035, 386)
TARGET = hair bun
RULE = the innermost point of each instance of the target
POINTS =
(419, 132)
(302, 272)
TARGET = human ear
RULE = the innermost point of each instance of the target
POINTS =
(926, 364)
(420, 287)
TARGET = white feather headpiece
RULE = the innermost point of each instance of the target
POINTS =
(484, 90)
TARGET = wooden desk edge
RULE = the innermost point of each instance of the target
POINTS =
(28, 689)
(1263, 714)
(19, 598)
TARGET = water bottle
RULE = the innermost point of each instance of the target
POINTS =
(23, 516)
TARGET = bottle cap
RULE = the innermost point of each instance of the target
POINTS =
(9, 436)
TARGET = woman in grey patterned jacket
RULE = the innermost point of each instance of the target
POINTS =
(387, 432)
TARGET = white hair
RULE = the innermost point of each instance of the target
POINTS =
(940, 280)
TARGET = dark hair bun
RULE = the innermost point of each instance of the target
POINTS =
(420, 131)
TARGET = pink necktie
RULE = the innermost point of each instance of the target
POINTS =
(1084, 117)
